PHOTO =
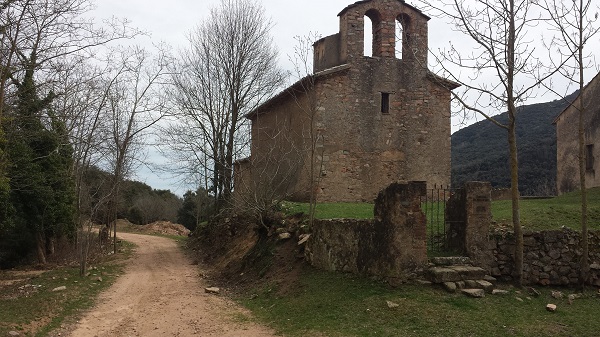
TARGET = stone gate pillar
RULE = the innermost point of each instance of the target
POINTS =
(478, 215)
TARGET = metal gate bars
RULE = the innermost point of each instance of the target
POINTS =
(443, 210)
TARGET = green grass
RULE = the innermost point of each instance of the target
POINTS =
(536, 214)
(333, 304)
(43, 311)
(332, 210)
(540, 214)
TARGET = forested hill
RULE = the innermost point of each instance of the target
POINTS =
(480, 151)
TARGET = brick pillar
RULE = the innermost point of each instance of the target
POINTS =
(385, 38)
(478, 215)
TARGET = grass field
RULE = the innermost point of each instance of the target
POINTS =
(536, 214)
(345, 210)
(335, 304)
(539, 214)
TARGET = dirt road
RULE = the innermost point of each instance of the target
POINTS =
(160, 294)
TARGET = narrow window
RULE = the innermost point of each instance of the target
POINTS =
(385, 103)
(368, 36)
(589, 157)
(403, 33)
(399, 38)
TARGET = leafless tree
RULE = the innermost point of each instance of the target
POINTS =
(575, 26)
(273, 170)
(229, 68)
(39, 37)
(503, 72)
(80, 101)
(135, 103)
(313, 141)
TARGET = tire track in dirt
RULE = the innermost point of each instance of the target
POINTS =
(160, 294)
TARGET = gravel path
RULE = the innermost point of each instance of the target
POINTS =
(160, 294)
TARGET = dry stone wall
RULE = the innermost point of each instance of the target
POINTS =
(550, 257)
(392, 246)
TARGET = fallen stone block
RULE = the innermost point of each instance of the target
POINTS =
(477, 293)
(450, 287)
(391, 304)
(285, 236)
(303, 239)
(499, 292)
(551, 307)
(557, 294)
(212, 290)
(61, 288)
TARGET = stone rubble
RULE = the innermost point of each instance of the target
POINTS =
(212, 290)
(392, 305)
(477, 293)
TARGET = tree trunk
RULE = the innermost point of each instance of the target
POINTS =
(516, 216)
(39, 242)
(584, 263)
(50, 245)
(584, 269)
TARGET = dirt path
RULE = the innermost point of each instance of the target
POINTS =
(160, 294)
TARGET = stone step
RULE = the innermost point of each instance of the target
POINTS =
(455, 273)
(451, 260)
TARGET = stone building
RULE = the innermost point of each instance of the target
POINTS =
(567, 143)
(359, 122)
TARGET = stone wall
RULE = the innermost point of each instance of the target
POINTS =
(550, 257)
(392, 246)
(373, 120)
(365, 149)
(501, 194)
(567, 144)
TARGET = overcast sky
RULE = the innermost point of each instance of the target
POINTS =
(170, 21)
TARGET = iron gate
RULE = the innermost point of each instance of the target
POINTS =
(444, 212)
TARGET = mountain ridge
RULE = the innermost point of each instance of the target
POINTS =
(480, 151)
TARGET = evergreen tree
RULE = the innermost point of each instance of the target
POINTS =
(188, 213)
(41, 190)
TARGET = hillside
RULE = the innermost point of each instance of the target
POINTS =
(480, 151)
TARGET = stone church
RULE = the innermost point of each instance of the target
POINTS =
(567, 140)
(359, 122)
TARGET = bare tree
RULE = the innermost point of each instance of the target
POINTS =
(503, 72)
(135, 103)
(575, 26)
(37, 38)
(313, 142)
(268, 176)
(229, 68)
